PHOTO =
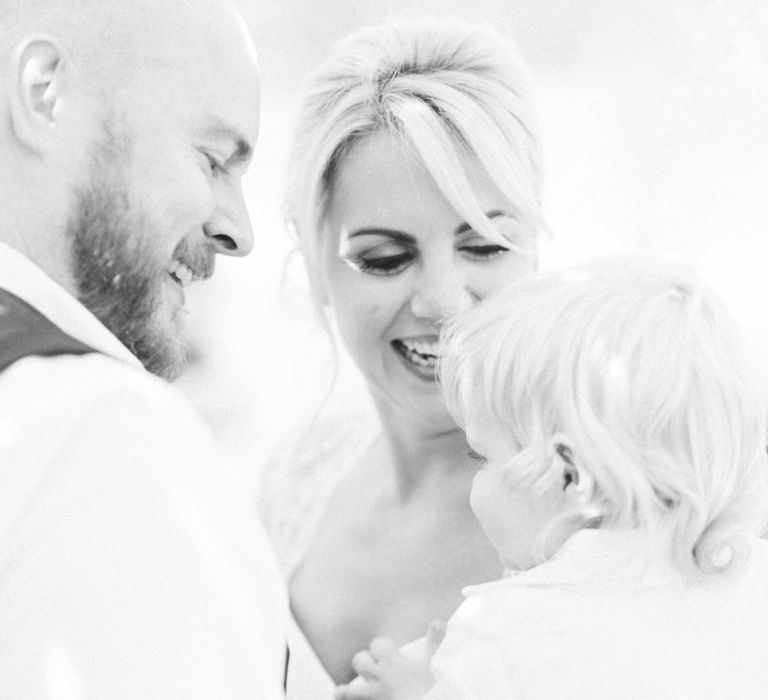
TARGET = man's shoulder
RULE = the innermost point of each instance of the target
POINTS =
(93, 423)
(62, 394)
(80, 377)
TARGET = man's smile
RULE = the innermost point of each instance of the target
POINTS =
(181, 274)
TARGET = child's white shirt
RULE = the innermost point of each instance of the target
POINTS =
(610, 616)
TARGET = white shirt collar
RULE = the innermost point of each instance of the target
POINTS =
(599, 557)
(21, 277)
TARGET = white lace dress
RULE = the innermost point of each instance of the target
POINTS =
(297, 484)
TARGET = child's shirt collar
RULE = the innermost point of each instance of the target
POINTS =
(603, 558)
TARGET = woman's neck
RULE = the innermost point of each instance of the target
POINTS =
(427, 453)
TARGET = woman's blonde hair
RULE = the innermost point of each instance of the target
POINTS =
(642, 370)
(456, 95)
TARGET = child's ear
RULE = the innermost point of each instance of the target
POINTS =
(578, 484)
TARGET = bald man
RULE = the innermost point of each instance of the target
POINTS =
(127, 567)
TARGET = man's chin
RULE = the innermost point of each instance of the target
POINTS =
(161, 349)
(164, 350)
(168, 361)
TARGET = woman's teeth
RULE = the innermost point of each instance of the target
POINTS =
(422, 353)
(181, 273)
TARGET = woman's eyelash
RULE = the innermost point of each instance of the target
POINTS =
(393, 264)
(484, 252)
(385, 265)
(476, 456)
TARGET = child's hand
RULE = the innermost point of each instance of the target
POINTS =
(385, 673)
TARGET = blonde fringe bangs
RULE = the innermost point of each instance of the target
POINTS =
(457, 95)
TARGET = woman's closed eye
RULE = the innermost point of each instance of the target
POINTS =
(385, 265)
(511, 238)
(384, 259)
(481, 252)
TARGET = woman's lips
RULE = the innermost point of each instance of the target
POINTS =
(419, 356)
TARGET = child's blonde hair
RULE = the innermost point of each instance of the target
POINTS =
(641, 369)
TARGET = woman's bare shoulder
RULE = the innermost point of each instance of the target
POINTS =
(301, 473)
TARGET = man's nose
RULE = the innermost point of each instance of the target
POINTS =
(439, 293)
(229, 228)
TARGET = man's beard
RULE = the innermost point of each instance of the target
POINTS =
(118, 279)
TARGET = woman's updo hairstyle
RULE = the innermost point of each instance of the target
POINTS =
(455, 93)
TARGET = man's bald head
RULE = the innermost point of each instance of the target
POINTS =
(112, 40)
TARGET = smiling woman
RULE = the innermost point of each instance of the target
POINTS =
(414, 188)
(397, 257)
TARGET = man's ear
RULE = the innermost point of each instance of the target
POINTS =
(36, 90)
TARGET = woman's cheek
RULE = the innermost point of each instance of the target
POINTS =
(358, 318)
(509, 269)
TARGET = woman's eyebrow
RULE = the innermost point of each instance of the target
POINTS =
(395, 234)
(491, 214)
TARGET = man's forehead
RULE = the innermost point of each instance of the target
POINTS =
(223, 70)
(211, 84)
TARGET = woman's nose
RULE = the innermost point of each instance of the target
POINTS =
(440, 293)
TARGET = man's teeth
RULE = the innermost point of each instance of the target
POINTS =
(181, 272)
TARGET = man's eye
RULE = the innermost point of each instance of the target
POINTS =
(383, 265)
(476, 456)
(213, 164)
(483, 252)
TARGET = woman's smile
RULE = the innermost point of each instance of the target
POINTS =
(419, 355)
(399, 259)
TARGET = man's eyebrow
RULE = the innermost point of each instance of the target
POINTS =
(491, 214)
(243, 148)
(395, 234)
